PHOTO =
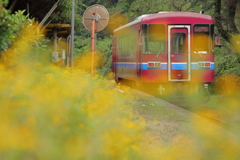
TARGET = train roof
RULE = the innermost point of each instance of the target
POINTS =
(177, 14)
(166, 15)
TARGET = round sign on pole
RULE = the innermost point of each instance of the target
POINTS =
(95, 19)
(99, 14)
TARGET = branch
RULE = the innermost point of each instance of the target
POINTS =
(182, 5)
(192, 5)
(176, 7)
(208, 7)
(13, 5)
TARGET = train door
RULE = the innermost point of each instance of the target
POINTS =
(179, 53)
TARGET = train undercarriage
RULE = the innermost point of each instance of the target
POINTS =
(187, 93)
(190, 93)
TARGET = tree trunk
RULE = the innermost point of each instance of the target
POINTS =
(229, 18)
(232, 12)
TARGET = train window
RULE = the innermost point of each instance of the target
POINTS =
(203, 39)
(131, 45)
(118, 46)
(179, 43)
(122, 46)
(156, 47)
(154, 39)
(128, 45)
(125, 46)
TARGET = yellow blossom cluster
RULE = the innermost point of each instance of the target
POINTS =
(49, 112)
(52, 113)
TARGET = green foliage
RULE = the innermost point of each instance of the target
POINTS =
(20, 38)
(226, 61)
(11, 25)
(82, 44)
(227, 64)
(3, 2)
(63, 10)
(227, 70)
(103, 56)
(104, 47)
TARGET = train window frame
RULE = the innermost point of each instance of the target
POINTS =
(146, 39)
(204, 32)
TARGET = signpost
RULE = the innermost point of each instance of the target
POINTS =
(95, 19)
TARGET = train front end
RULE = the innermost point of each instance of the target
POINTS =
(177, 52)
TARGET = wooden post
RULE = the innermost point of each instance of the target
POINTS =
(72, 34)
(55, 46)
(55, 38)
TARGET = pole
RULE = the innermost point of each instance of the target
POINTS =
(93, 47)
(72, 35)
(49, 13)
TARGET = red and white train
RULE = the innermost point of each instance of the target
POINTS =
(167, 50)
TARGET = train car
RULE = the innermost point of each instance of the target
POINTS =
(167, 50)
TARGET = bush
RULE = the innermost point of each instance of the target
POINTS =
(11, 26)
(102, 57)
(226, 62)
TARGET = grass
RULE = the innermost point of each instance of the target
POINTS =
(184, 137)
(161, 121)
(225, 108)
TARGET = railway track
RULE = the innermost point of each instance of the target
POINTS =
(225, 125)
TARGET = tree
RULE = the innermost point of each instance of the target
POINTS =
(20, 38)
(11, 25)
(225, 21)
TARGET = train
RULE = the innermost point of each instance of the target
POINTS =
(168, 52)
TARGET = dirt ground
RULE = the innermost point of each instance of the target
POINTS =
(169, 124)
(164, 121)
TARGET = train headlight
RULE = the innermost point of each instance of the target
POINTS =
(154, 64)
